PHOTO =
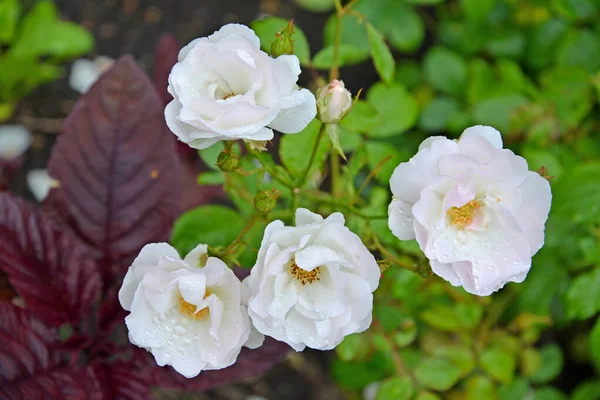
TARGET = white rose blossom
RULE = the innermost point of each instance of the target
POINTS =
(312, 284)
(190, 317)
(226, 88)
(475, 209)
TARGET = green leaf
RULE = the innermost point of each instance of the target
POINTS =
(537, 158)
(578, 199)
(453, 318)
(497, 112)
(460, 356)
(387, 316)
(10, 11)
(361, 118)
(20, 76)
(508, 43)
(437, 374)
(465, 36)
(499, 364)
(425, 2)
(438, 113)
(580, 48)
(445, 70)
(211, 178)
(582, 298)
(549, 393)
(252, 239)
(595, 343)
(350, 140)
(382, 57)
(589, 390)
(295, 150)
(212, 224)
(348, 55)
(267, 28)
(397, 21)
(377, 152)
(406, 31)
(43, 34)
(357, 375)
(316, 6)
(395, 389)
(409, 74)
(407, 333)
(577, 10)
(480, 387)
(397, 108)
(552, 364)
(543, 42)
(427, 396)
(478, 10)
(568, 89)
(517, 389)
(352, 347)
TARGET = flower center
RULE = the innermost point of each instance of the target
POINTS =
(463, 216)
(190, 310)
(303, 276)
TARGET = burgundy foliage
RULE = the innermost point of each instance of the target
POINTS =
(117, 168)
(122, 184)
(50, 269)
(31, 369)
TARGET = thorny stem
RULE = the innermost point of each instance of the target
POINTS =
(399, 366)
(313, 156)
(335, 173)
(372, 174)
(334, 73)
(241, 235)
(391, 257)
(270, 171)
(342, 205)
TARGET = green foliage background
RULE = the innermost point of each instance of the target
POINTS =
(530, 68)
(33, 42)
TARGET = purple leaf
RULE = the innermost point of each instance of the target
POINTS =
(117, 168)
(250, 363)
(127, 383)
(50, 269)
(110, 312)
(30, 370)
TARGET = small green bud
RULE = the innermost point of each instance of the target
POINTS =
(284, 42)
(265, 201)
(228, 161)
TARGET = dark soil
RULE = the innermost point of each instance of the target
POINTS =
(134, 27)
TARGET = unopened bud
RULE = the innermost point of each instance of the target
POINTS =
(228, 161)
(334, 101)
(265, 201)
(284, 42)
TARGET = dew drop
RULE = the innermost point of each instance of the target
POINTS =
(180, 330)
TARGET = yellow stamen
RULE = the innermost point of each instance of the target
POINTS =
(302, 275)
(191, 310)
(463, 216)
